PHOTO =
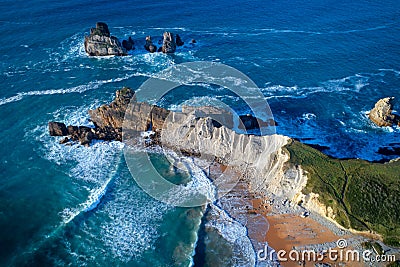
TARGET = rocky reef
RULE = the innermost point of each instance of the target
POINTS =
(101, 43)
(107, 120)
(382, 114)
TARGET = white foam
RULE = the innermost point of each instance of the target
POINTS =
(76, 89)
(233, 232)
(199, 187)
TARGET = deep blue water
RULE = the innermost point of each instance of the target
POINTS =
(320, 64)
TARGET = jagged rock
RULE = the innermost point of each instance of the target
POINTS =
(128, 44)
(72, 129)
(57, 129)
(86, 137)
(112, 115)
(179, 41)
(169, 45)
(149, 46)
(100, 43)
(101, 29)
(382, 115)
(64, 140)
(249, 122)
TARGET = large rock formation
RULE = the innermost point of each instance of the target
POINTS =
(100, 43)
(107, 120)
(169, 45)
(382, 114)
(149, 46)
(112, 115)
(57, 129)
(128, 44)
(179, 41)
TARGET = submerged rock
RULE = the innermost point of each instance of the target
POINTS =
(169, 45)
(149, 46)
(100, 43)
(382, 115)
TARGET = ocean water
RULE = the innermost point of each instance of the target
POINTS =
(320, 64)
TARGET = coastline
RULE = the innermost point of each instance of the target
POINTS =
(274, 223)
(261, 180)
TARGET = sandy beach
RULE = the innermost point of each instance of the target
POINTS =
(281, 226)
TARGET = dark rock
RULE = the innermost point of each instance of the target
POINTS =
(86, 138)
(100, 43)
(128, 44)
(382, 114)
(390, 150)
(72, 129)
(101, 29)
(319, 147)
(249, 122)
(169, 45)
(57, 129)
(64, 140)
(149, 46)
(179, 41)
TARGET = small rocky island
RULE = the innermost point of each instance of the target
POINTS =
(101, 43)
(382, 114)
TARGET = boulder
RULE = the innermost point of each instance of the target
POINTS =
(382, 114)
(128, 44)
(57, 129)
(179, 41)
(100, 43)
(149, 46)
(169, 45)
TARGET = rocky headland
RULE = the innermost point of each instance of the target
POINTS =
(349, 192)
(280, 178)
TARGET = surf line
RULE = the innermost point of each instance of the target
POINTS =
(92, 202)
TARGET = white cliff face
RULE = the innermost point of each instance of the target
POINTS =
(260, 158)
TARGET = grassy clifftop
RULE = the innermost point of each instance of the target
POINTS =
(363, 195)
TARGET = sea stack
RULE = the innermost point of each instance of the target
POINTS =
(149, 46)
(382, 114)
(169, 45)
(101, 43)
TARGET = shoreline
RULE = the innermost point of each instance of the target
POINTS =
(280, 229)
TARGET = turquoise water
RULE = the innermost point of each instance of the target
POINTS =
(321, 65)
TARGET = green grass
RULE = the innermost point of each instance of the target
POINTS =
(375, 246)
(363, 195)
